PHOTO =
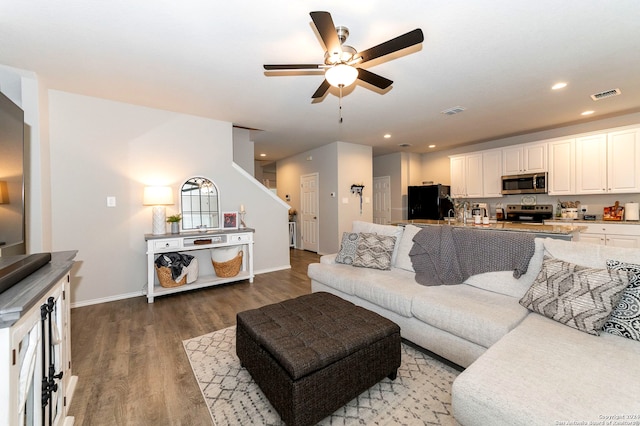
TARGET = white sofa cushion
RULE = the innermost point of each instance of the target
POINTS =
(504, 282)
(587, 254)
(393, 290)
(545, 373)
(403, 261)
(479, 316)
(375, 228)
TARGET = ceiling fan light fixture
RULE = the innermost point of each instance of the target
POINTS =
(341, 75)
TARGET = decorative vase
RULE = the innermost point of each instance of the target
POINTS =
(175, 227)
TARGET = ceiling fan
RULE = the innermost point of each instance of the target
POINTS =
(341, 61)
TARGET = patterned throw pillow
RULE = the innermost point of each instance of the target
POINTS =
(574, 295)
(374, 251)
(348, 248)
(625, 319)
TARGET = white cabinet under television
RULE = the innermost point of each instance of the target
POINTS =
(35, 347)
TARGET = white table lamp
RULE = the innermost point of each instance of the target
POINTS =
(158, 197)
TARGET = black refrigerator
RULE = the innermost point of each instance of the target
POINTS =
(428, 202)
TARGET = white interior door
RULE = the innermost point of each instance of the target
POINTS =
(382, 200)
(309, 207)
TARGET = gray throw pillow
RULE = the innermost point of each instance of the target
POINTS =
(348, 248)
(574, 295)
(374, 251)
(625, 318)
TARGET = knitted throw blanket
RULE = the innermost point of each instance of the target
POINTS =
(444, 255)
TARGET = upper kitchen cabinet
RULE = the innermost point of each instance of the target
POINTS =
(466, 176)
(608, 162)
(526, 158)
(562, 167)
(476, 175)
(492, 173)
(623, 161)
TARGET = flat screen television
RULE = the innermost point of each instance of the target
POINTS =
(12, 211)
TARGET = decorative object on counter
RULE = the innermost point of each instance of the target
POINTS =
(292, 215)
(174, 220)
(569, 209)
(230, 220)
(158, 197)
(460, 208)
(357, 190)
(242, 213)
(631, 211)
(615, 212)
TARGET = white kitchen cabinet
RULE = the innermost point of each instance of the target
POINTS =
(476, 175)
(562, 169)
(623, 161)
(608, 163)
(466, 175)
(492, 173)
(526, 158)
(610, 234)
(591, 164)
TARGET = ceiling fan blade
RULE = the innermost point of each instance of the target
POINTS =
(321, 90)
(327, 30)
(401, 42)
(293, 67)
(374, 79)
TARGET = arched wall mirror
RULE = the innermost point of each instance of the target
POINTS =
(199, 204)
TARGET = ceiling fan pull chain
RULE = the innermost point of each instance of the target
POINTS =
(340, 105)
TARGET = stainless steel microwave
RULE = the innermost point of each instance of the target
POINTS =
(533, 183)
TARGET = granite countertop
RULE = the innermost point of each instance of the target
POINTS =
(587, 222)
(503, 226)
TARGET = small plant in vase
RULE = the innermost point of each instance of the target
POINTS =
(292, 215)
(174, 220)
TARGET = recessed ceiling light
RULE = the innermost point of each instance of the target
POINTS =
(431, 146)
(387, 136)
(263, 155)
(587, 113)
(558, 86)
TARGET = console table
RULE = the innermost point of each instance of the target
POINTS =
(192, 242)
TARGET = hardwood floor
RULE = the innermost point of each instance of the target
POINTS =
(128, 355)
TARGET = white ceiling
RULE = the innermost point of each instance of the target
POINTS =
(496, 58)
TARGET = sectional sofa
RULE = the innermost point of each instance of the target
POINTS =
(521, 367)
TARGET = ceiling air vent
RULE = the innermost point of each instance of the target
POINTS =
(453, 111)
(606, 94)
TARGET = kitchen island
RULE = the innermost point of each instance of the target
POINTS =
(559, 231)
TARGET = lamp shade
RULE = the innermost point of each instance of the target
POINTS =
(341, 75)
(157, 196)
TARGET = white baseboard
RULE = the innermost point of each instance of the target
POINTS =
(142, 293)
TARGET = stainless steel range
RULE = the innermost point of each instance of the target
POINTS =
(536, 213)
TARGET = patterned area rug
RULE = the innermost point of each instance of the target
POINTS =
(420, 395)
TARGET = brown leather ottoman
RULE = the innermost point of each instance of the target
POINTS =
(313, 354)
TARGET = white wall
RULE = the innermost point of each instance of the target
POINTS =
(355, 166)
(339, 165)
(404, 169)
(243, 150)
(101, 148)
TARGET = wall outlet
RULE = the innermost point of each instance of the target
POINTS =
(584, 208)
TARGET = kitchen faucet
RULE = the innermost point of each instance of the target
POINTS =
(450, 217)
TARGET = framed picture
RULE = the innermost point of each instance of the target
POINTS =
(230, 220)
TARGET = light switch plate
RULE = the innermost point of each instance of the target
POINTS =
(111, 201)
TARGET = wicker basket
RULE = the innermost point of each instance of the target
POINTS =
(230, 268)
(165, 278)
